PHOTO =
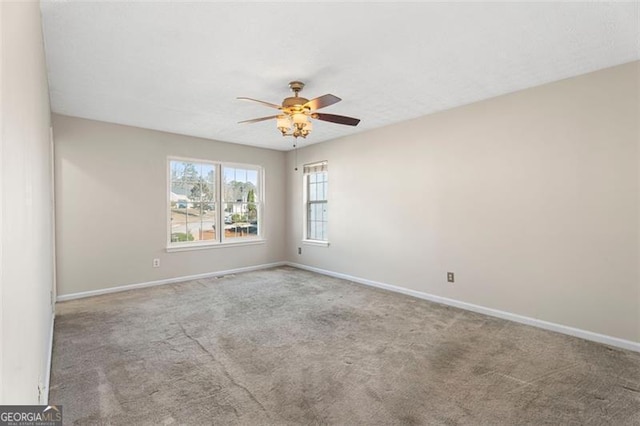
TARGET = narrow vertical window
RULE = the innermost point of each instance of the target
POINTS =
(316, 183)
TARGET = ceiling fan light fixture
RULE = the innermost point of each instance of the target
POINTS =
(299, 119)
(284, 124)
(296, 111)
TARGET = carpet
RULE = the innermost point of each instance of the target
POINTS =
(285, 346)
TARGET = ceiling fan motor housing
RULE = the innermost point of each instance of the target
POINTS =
(294, 101)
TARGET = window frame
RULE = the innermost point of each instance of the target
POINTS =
(306, 203)
(220, 240)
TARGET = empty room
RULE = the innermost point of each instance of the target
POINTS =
(305, 213)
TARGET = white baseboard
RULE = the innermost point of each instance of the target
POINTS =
(576, 332)
(117, 289)
(47, 377)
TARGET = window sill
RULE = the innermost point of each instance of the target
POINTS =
(315, 243)
(247, 242)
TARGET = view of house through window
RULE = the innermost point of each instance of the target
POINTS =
(213, 202)
(192, 201)
(316, 181)
(241, 201)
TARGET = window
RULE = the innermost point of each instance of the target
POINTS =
(316, 181)
(212, 202)
(241, 202)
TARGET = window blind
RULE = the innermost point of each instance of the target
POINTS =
(322, 166)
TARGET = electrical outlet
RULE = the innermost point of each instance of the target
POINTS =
(156, 263)
(450, 277)
(299, 250)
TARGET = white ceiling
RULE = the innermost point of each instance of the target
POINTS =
(178, 67)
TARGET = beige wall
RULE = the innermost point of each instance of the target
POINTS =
(111, 210)
(26, 270)
(530, 198)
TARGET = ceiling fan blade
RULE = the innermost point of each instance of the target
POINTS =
(255, 120)
(340, 119)
(322, 101)
(269, 104)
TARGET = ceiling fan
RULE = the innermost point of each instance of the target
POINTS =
(295, 112)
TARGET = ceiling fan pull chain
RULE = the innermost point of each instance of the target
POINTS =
(295, 148)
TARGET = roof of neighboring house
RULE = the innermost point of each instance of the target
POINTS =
(178, 197)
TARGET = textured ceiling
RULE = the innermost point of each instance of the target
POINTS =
(178, 66)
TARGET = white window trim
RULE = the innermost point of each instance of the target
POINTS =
(206, 246)
(222, 241)
(305, 212)
(319, 243)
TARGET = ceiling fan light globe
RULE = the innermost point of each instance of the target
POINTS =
(300, 118)
(284, 124)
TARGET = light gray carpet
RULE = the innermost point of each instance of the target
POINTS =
(285, 346)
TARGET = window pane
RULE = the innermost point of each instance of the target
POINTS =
(317, 220)
(179, 202)
(177, 169)
(193, 192)
(252, 213)
(311, 230)
(178, 196)
(209, 221)
(313, 192)
(241, 185)
(209, 192)
(317, 187)
(179, 226)
(190, 172)
(241, 220)
(208, 173)
(241, 175)
(193, 229)
(252, 177)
